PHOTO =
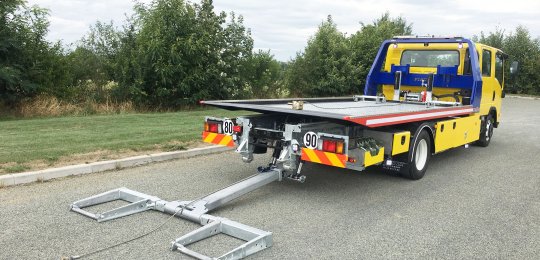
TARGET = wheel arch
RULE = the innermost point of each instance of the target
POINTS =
(429, 128)
(411, 172)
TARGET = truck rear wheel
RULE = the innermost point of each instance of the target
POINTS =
(418, 157)
(487, 132)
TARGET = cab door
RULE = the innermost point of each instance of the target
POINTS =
(493, 80)
(499, 86)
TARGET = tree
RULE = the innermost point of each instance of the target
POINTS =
(324, 68)
(235, 57)
(493, 39)
(29, 65)
(181, 52)
(520, 47)
(366, 42)
(333, 64)
(264, 75)
(127, 69)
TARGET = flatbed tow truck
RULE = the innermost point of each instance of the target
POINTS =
(423, 95)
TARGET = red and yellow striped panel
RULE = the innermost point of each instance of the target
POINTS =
(221, 139)
(332, 159)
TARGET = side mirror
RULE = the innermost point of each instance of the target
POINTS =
(514, 67)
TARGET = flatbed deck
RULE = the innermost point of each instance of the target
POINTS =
(368, 113)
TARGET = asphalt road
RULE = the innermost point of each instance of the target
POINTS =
(473, 203)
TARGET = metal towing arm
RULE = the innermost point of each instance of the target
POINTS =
(196, 211)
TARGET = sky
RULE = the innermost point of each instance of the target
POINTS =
(284, 26)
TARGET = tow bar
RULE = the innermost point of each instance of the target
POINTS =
(256, 239)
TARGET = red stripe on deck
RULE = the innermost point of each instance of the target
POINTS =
(393, 119)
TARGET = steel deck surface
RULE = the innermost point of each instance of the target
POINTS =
(359, 108)
(360, 112)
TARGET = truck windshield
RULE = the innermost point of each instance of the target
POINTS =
(430, 58)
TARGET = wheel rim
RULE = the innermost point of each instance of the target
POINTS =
(489, 129)
(421, 153)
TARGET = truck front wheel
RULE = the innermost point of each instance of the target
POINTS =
(487, 132)
(418, 157)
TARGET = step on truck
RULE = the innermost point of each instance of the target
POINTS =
(423, 96)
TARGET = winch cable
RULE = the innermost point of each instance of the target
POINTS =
(127, 241)
(381, 105)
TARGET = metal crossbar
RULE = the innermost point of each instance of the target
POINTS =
(256, 239)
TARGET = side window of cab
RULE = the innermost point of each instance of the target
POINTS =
(499, 65)
(486, 63)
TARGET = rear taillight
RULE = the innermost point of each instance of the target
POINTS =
(339, 147)
(333, 146)
(237, 129)
(214, 128)
(329, 146)
(211, 127)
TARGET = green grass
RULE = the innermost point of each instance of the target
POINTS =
(174, 147)
(48, 139)
(16, 168)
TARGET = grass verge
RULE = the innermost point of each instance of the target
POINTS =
(30, 144)
(15, 168)
(46, 106)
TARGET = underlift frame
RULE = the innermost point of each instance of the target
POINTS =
(256, 239)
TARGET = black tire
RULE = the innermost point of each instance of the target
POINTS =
(487, 131)
(418, 156)
(258, 149)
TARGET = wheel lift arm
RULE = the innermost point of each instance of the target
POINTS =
(256, 239)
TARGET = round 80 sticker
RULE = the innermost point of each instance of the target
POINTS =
(228, 127)
(310, 140)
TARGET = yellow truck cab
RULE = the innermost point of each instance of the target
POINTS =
(424, 58)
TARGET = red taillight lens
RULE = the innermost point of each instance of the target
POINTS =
(329, 146)
(213, 128)
(333, 146)
(237, 129)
